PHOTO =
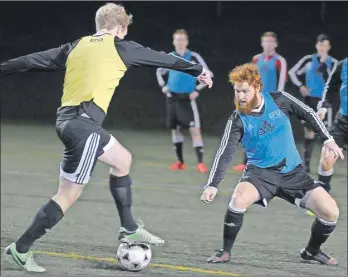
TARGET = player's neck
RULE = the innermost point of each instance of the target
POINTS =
(259, 104)
(181, 52)
(269, 53)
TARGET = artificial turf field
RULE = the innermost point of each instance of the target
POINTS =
(85, 241)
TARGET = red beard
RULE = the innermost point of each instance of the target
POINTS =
(245, 108)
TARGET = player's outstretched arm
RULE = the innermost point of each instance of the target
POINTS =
(304, 112)
(230, 139)
(133, 54)
(49, 60)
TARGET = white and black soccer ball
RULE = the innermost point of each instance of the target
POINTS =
(134, 257)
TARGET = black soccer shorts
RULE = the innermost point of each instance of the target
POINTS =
(181, 111)
(85, 141)
(291, 186)
(339, 130)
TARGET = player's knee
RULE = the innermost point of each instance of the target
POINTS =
(240, 201)
(122, 168)
(326, 167)
(327, 163)
(309, 134)
(330, 212)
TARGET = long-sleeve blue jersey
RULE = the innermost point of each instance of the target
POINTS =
(317, 74)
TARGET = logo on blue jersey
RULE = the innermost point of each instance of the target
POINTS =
(266, 127)
(275, 114)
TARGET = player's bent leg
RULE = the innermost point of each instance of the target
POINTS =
(308, 147)
(244, 195)
(120, 159)
(197, 142)
(178, 143)
(325, 207)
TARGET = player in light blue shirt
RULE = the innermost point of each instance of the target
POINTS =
(182, 112)
(318, 70)
(261, 122)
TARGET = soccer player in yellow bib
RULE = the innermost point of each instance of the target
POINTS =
(94, 66)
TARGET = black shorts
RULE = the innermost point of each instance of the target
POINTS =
(339, 130)
(291, 186)
(182, 112)
(84, 141)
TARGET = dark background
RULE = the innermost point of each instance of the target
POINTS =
(225, 34)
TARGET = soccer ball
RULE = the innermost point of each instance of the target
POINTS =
(134, 257)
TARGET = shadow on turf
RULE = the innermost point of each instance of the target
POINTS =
(105, 265)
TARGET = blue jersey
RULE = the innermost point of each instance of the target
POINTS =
(272, 70)
(314, 78)
(268, 139)
(344, 88)
(317, 76)
(179, 82)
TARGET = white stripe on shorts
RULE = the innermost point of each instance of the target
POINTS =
(195, 114)
(83, 171)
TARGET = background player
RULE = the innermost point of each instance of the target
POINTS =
(272, 68)
(94, 66)
(261, 122)
(339, 129)
(182, 112)
(318, 69)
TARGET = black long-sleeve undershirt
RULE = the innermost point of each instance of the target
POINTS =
(131, 53)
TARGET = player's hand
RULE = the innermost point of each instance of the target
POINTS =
(304, 91)
(209, 194)
(333, 147)
(322, 113)
(205, 79)
(194, 95)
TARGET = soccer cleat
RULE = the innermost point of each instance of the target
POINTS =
(239, 167)
(178, 166)
(219, 257)
(320, 257)
(310, 213)
(139, 236)
(202, 168)
(25, 261)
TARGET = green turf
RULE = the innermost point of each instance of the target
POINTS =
(168, 203)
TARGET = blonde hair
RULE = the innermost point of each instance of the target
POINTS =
(270, 34)
(111, 15)
(180, 32)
